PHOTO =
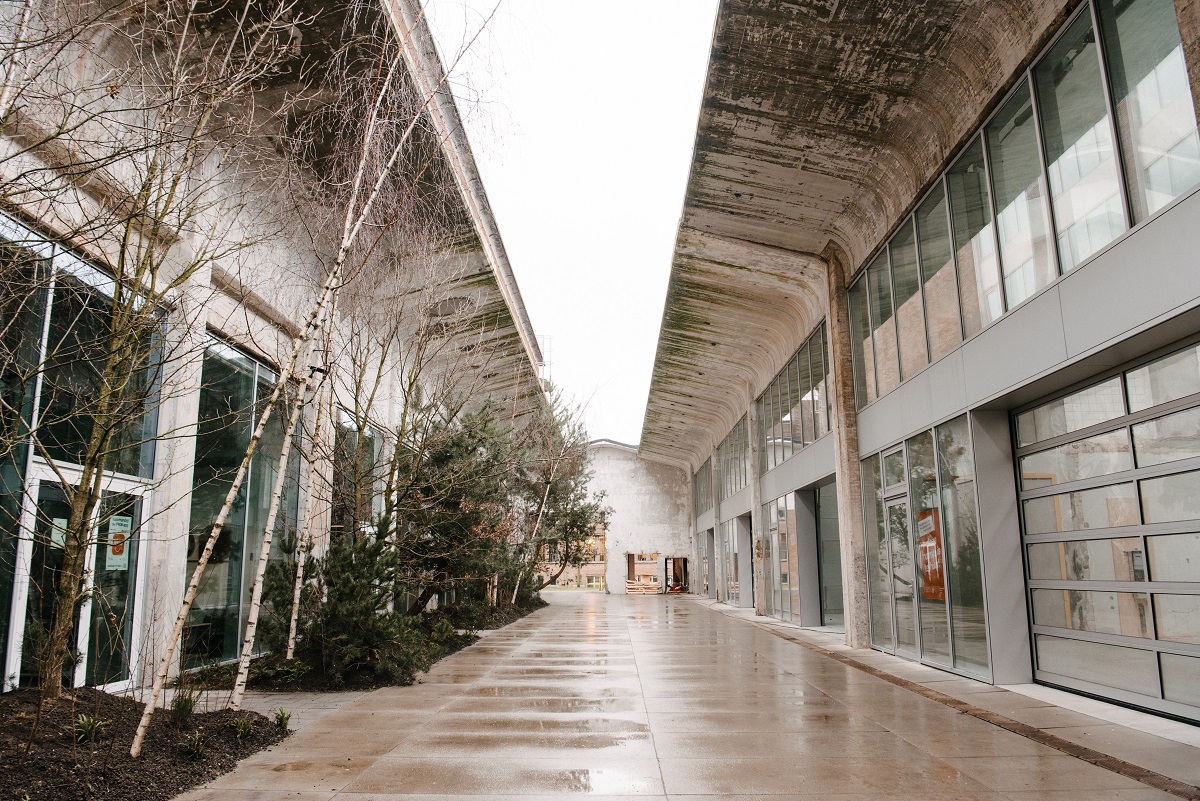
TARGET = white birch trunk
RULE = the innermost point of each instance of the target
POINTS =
(305, 541)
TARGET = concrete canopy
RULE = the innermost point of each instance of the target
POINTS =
(821, 122)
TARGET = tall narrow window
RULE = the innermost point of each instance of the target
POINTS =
(910, 316)
(883, 328)
(1156, 121)
(974, 241)
(1085, 187)
(1020, 199)
(937, 275)
(860, 345)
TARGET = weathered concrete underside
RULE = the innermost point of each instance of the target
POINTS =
(822, 121)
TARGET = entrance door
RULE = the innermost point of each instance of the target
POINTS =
(103, 641)
(902, 576)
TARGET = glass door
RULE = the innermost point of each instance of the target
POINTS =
(103, 641)
(902, 576)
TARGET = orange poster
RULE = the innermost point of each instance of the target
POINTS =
(929, 554)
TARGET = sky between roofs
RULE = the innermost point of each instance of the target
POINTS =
(582, 116)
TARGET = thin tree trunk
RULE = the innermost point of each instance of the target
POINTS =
(304, 542)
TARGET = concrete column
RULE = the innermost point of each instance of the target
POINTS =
(758, 531)
(849, 480)
(1187, 13)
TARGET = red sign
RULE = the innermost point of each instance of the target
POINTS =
(929, 554)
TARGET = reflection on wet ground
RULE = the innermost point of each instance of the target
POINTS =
(614, 697)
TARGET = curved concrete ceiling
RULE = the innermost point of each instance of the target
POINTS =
(821, 123)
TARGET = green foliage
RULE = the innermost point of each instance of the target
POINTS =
(89, 728)
(196, 744)
(243, 726)
(182, 707)
(282, 719)
(355, 629)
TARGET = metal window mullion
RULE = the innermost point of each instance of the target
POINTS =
(1110, 105)
(895, 321)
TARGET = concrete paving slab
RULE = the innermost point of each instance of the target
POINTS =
(645, 697)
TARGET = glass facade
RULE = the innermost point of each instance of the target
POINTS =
(794, 411)
(1110, 476)
(733, 460)
(924, 568)
(356, 475)
(234, 390)
(1099, 135)
(702, 494)
(781, 569)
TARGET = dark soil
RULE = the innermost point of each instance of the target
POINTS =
(44, 759)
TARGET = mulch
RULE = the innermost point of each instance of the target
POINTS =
(44, 759)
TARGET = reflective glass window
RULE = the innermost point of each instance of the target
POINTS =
(1101, 455)
(860, 345)
(1021, 225)
(974, 240)
(1088, 560)
(883, 327)
(910, 314)
(960, 519)
(1178, 617)
(1166, 379)
(938, 283)
(802, 411)
(1103, 507)
(829, 558)
(1181, 678)
(820, 372)
(1085, 186)
(1088, 407)
(929, 547)
(1170, 498)
(878, 584)
(1122, 613)
(1168, 439)
(1098, 663)
(1174, 557)
(1156, 122)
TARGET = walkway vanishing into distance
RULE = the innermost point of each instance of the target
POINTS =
(653, 697)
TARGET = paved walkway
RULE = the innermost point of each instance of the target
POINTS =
(654, 697)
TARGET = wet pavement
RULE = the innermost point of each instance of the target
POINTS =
(618, 697)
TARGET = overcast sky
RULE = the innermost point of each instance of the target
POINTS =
(582, 118)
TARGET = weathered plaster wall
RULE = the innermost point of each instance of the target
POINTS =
(649, 503)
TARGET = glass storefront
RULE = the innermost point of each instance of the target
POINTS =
(733, 460)
(234, 389)
(1109, 482)
(924, 569)
(804, 560)
(1098, 136)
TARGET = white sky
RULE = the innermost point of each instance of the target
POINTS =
(582, 117)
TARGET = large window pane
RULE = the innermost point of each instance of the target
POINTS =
(1181, 678)
(1104, 507)
(1088, 560)
(1168, 439)
(1155, 119)
(1086, 458)
(1178, 617)
(878, 585)
(819, 371)
(1123, 613)
(1088, 407)
(974, 240)
(1175, 557)
(1020, 199)
(937, 275)
(225, 419)
(883, 328)
(1167, 379)
(960, 516)
(1084, 185)
(860, 345)
(1109, 665)
(930, 549)
(910, 316)
(829, 557)
(1171, 498)
(803, 409)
